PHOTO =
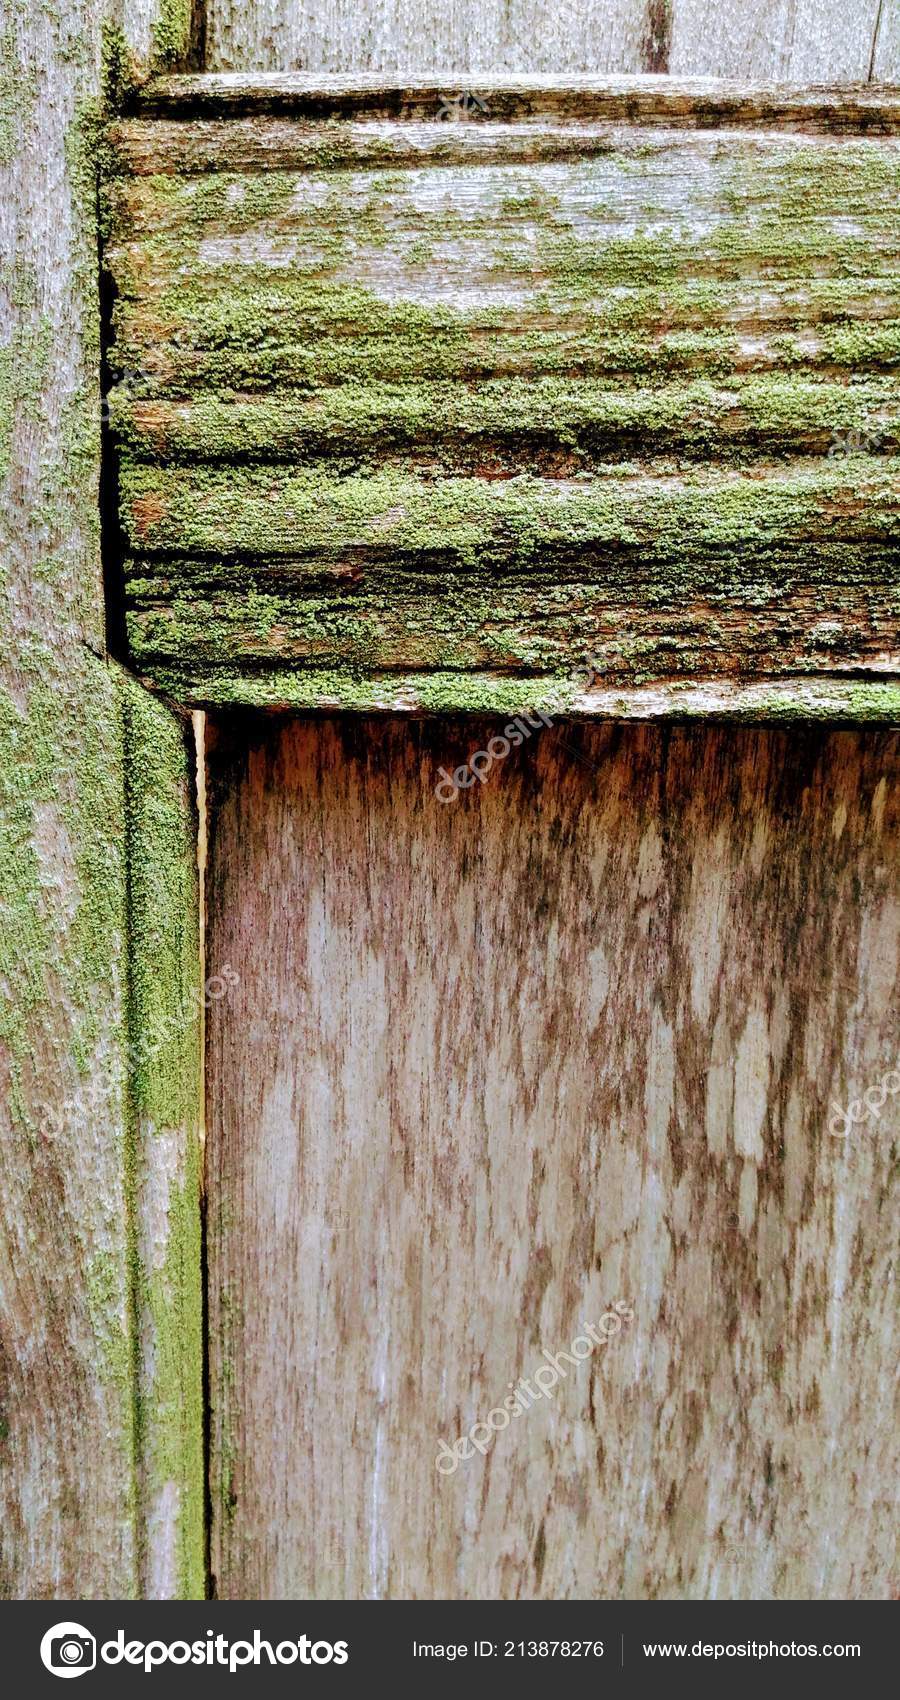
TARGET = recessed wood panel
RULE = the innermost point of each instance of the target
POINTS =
(495, 1064)
(779, 40)
(784, 41)
(405, 35)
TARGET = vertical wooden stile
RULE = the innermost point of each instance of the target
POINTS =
(99, 1272)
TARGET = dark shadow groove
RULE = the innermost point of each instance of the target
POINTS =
(875, 35)
(112, 540)
(656, 47)
(197, 57)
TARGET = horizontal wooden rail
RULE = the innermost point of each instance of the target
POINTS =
(435, 398)
(694, 101)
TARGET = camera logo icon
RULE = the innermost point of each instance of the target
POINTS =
(68, 1649)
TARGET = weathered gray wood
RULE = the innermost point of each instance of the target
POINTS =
(67, 1483)
(543, 389)
(188, 147)
(407, 35)
(784, 41)
(158, 34)
(93, 1456)
(165, 1009)
(885, 66)
(693, 100)
(576, 1037)
(164, 1155)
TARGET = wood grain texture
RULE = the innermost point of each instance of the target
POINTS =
(886, 55)
(67, 1484)
(163, 1156)
(158, 34)
(67, 1481)
(190, 146)
(405, 35)
(692, 100)
(164, 1060)
(778, 40)
(772, 701)
(784, 41)
(100, 1296)
(495, 396)
(86, 1367)
(495, 1065)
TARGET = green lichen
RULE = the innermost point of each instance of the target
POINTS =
(64, 918)
(63, 820)
(62, 926)
(252, 328)
(24, 366)
(435, 692)
(198, 207)
(650, 302)
(109, 1318)
(170, 1408)
(874, 701)
(356, 473)
(674, 577)
(117, 72)
(854, 703)
(313, 515)
(447, 692)
(551, 424)
(803, 181)
(60, 775)
(172, 31)
(165, 1105)
(162, 881)
(19, 83)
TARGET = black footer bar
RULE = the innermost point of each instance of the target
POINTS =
(586, 1645)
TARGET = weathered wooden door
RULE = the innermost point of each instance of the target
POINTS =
(499, 447)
